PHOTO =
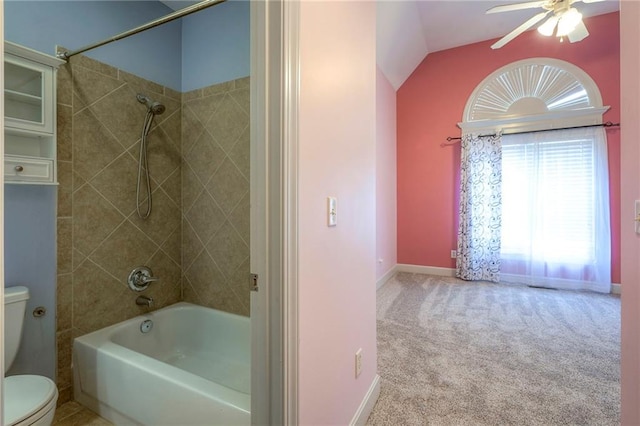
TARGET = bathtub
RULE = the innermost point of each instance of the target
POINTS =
(191, 368)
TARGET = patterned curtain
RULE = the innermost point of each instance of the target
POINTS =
(478, 256)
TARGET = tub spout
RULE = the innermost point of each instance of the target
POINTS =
(144, 301)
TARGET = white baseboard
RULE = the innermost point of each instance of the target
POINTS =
(367, 404)
(429, 270)
(451, 272)
(383, 279)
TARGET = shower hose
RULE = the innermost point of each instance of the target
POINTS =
(143, 167)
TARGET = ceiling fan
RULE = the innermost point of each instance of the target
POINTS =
(567, 19)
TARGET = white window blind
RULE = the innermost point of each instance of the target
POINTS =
(555, 205)
(550, 184)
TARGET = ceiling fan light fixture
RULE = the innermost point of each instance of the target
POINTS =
(568, 22)
(579, 33)
(547, 28)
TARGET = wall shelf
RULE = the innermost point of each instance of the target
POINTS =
(30, 116)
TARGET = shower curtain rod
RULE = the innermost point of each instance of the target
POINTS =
(454, 140)
(167, 18)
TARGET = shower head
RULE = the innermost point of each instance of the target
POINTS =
(154, 107)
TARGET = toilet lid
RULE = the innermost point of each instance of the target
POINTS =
(25, 395)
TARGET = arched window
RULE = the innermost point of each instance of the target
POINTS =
(533, 94)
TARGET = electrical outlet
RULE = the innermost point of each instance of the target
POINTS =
(358, 362)
(454, 254)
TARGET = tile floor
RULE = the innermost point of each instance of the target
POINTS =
(74, 414)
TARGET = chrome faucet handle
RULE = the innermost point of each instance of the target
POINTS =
(140, 278)
(143, 279)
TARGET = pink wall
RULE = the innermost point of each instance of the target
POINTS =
(431, 103)
(630, 191)
(386, 200)
(337, 157)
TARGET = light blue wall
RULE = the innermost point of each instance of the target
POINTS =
(215, 45)
(208, 47)
(30, 260)
(153, 54)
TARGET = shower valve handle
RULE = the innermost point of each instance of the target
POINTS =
(143, 279)
(140, 278)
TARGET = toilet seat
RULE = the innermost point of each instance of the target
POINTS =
(27, 399)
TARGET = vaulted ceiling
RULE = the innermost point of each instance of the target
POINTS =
(407, 31)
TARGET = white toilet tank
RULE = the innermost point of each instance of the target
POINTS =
(15, 304)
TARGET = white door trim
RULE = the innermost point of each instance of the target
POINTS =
(274, 232)
(290, 141)
(2, 209)
(260, 405)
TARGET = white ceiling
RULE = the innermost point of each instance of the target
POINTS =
(409, 30)
(178, 4)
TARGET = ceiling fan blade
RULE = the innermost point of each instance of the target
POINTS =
(518, 6)
(579, 33)
(522, 28)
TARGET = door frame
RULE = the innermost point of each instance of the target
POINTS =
(2, 208)
(274, 215)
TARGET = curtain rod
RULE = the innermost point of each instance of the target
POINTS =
(167, 18)
(607, 124)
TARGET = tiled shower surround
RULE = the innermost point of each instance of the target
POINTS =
(197, 237)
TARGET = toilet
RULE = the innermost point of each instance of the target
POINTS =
(28, 399)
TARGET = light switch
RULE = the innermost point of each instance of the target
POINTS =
(637, 218)
(332, 211)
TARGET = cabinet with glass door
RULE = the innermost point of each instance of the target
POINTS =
(29, 116)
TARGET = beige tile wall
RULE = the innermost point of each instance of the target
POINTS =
(100, 237)
(197, 237)
(215, 196)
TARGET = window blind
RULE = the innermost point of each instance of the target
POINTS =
(549, 187)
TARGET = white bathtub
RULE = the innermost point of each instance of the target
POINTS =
(192, 368)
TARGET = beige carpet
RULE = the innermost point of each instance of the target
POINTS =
(452, 352)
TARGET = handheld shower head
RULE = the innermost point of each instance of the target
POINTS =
(155, 107)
